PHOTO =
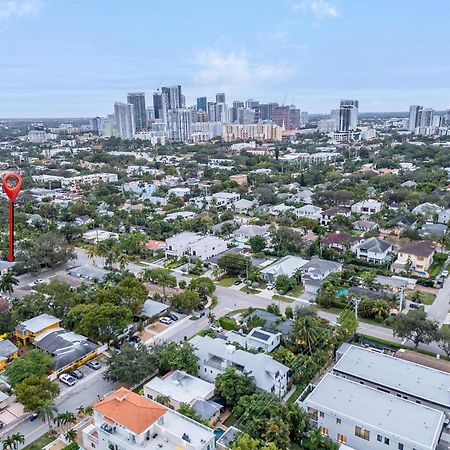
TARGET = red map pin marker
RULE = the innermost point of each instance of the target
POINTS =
(11, 186)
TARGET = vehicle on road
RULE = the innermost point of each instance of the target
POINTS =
(78, 374)
(414, 305)
(216, 327)
(166, 320)
(93, 364)
(444, 273)
(237, 282)
(173, 317)
(270, 286)
(67, 379)
(134, 339)
(36, 281)
(33, 417)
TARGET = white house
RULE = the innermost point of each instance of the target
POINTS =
(444, 216)
(287, 265)
(245, 232)
(258, 338)
(180, 192)
(178, 245)
(126, 420)
(367, 207)
(373, 250)
(309, 211)
(215, 355)
(207, 247)
(243, 205)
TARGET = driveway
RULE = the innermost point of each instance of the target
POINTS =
(439, 310)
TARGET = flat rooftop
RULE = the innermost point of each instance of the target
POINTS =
(38, 323)
(397, 374)
(410, 423)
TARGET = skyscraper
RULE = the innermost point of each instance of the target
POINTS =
(124, 118)
(174, 96)
(157, 104)
(137, 99)
(234, 111)
(415, 112)
(220, 97)
(426, 118)
(202, 104)
(180, 124)
(348, 115)
(96, 124)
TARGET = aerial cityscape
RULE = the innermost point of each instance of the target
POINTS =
(232, 237)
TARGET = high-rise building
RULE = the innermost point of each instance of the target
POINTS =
(281, 115)
(266, 111)
(294, 118)
(245, 116)
(211, 107)
(415, 113)
(124, 118)
(96, 124)
(150, 115)
(202, 104)
(426, 118)
(220, 97)
(348, 115)
(221, 112)
(174, 96)
(157, 105)
(234, 110)
(304, 119)
(180, 124)
(137, 99)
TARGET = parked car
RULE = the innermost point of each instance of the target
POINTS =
(94, 364)
(166, 320)
(216, 327)
(413, 305)
(134, 339)
(270, 286)
(67, 379)
(237, 282)
(445, 273)
(78, 374)
(173, 317)
(35, 282)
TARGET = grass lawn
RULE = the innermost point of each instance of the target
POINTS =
(297, 291)
(427, 298)
(249, 290)
(298, 390)
(446, 326)
(174, 264)
(227, 282)
(230, 420)
(436, 266)
(40, 443)
(282, 299)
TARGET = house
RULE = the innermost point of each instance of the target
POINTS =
(428, 210)
(245, 232)
(88, 273)
(154, 246)
(243, 206)
(240, 178)
(319, 269)
(152, 308)
(444, 216)
(215, 355)
(367, 207)
(207, 247)
(409, 184)
(287, 265)
(207, 410)
(416, 257)
(433, 229)
(280, 209)
(179, 387)
(366, 418)
(365, 225)
(8, 352)
(97, 235)
(304, 196)
(373, 250)
(271, 321)
(68, 349)
(258, 338)
(400, 377)
(178, 245)
(83, 220)
(396, 283)
(309, 211)
(336, 241)
(30, 329)
(180, 192)
(179, 215)
(328, 215)
(128, 420)
(227, 199)
(408, 221)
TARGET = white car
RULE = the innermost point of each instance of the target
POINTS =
(36, 281)
(445, 273)
(270, 286)
(215, 327)
(67, 379)
(166, 320)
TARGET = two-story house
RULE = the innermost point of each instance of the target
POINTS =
(373, 250)
(125, 420)
(415, 257)
(367, 207)
(27, 331)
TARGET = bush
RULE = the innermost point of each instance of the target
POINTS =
(228, 324)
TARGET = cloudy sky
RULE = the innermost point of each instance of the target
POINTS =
(74, 58)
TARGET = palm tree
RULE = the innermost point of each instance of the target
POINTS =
(306, 332)
(211, 317)
(92, 253)
(71, 435)
(65, 419)
(122, 259)
(7, 282)
(13, 441)
(46, 413)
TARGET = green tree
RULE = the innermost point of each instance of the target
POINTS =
(415, 327)
(188, 411)
(284, 284)
(132, 365)
(35, 392)
(175, 356)
(234, 263)
(64, 420)
(204, 286)
(13, 441)
(306, 332)
(347, 325)
(46, 412)
(71, 436)
(232, 385)
(245, 442)
(443, 339)
(186, 301)
(34, 362)
(257, 243)
(160, 276)
(7, 282)
(101, 322)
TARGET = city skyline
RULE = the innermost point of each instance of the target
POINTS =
(301, 53)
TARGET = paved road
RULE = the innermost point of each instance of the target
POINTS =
(440, 308)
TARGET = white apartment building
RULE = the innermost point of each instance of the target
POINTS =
(367, 207)
(258, 131)
(207, 247)
(258, 338)
(215, 355)
(92, 179)
(366, 418)
(126, 421)
(178, 245)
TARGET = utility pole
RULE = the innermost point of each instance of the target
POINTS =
(402, 298)
(356, 302)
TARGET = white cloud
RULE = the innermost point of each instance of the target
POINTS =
(236, 69)
(16, 9)
(319, 8)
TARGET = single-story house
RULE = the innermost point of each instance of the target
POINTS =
(245, 232)
(367, 207)
(8, 352)
(287, 265)
(152, 308)
(365, 225)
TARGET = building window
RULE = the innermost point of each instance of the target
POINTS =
(323, 431)
(386, 441)
(379, 438)
(341, 438)
(321, 414)
(400, 446)
(362, 433)
(338, 421)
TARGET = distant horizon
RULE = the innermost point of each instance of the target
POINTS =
(72, 59)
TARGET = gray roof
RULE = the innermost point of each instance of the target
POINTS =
(287, 265)
(38, 323)
(319, 267)
(153, 308)
(273, 322)
(252, 230)
(405, 421)
(66, 347)
(206, 409)
(88, 273)
(7, 348)
(419, 381)
(374, 244)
